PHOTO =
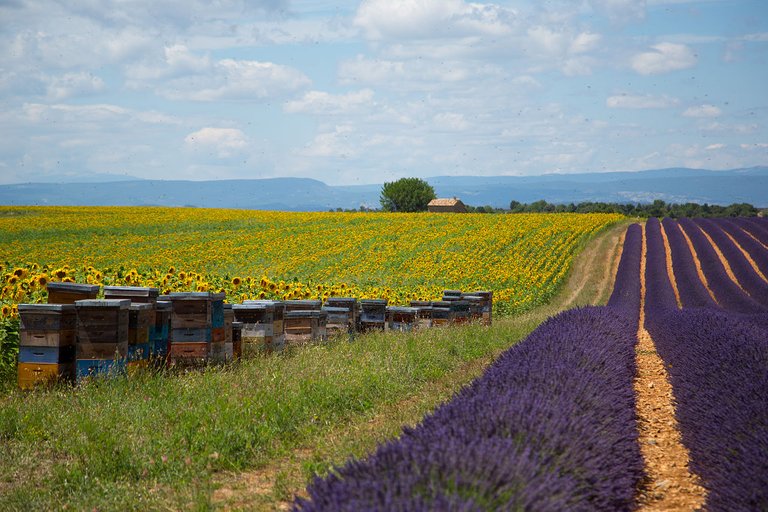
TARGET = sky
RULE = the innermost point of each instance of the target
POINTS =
(362, 92)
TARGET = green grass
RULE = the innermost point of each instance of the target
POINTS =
(164, 440)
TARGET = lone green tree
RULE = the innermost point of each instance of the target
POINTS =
(406, 195)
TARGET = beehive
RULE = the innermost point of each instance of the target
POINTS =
(68, 293)
(373, 314)
(47, 336)
(487, 312)
(193, 315)
(441, 313)
(302, 326)
(340, 321)
(350, 303)
(402, 318)
(31, 375)
(303, 305)
(262, 327)
(140, 317)
(102, 337)
(423, 313)
(237, 340)
(161, 332)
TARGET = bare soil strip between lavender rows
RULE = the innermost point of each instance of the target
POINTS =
(273, 486)
(669, 485)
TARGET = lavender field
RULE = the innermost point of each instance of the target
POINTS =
(553, 424)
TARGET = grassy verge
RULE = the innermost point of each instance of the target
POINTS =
(184, 441)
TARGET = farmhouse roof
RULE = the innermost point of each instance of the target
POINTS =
(444, 202)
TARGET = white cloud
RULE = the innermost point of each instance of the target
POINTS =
(756, 145)
(664, 58)
(318, 102)
(74, 84)
(644, 101)
(760, 37)
(225, 142)
(451, 121)
(715, 147)
(702, 111)
(335, 143)
(231, 79)
(428, 19)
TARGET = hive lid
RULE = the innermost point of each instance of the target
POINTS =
(73, 287)
(103, 303)
(141, 306)
(163, 305)
(191, 296)
(332, 309)
(403, 309)
(131, 291)
(306, 313)
(44, 308)
(252, 306)
(373, 302)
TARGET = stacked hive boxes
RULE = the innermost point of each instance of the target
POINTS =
(162, 331)
(305, 321)
(68, 293)
(402, 318)
(46, 343)
(142, 320)
(343, 315)
(261, 327)
(423, 313)
(102, 336)
(237, 340)
(192, 320)
(218, 348)
(224, 352)
(373, 314)
(487, 305)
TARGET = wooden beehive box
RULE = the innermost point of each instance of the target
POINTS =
(373, 314)
(68, 293)
(402, 318)
(102, 321)
(305, 326)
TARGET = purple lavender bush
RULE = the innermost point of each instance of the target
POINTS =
(753, 284)
(660, 296)
(550, 425)
(693, 293)
(729, 296)
(626, 289)
(718, 366)
(754, 227)
(755, 249)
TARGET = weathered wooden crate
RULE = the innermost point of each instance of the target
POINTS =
(340, 321)
(90, 368)
(373, 314)
(51, 338)
(85, 350)
(188, 353)
(423, 313)
(191, 335)
(137, 294)
(140, 317)
(68, 293)
(402, 318)
(441, 313)
(303, 305)
(220, 352)
(160, 335)
(305, 325)
(192, 310)
(31, 375)
(476, 306)
(487, 296)
(102, 321)
(46, 355)
(350, 303)
(237, 339)
(47, 317)
(229, 318)
(451, 295)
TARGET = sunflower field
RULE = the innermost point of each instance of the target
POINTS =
(284, 255)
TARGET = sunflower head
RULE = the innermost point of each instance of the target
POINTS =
(236, 281)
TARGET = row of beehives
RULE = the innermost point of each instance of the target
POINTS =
(76, 336)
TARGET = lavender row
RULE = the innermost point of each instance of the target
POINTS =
(756, 229)
(752, 283)
(755, 249)
(626, 289)
(660, 295)
(693, 293)
(550, 425)
(718, 366)
(729, 296)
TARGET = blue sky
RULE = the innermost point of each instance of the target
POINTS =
(370, 91)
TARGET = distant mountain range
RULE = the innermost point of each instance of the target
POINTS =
(678, 185)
